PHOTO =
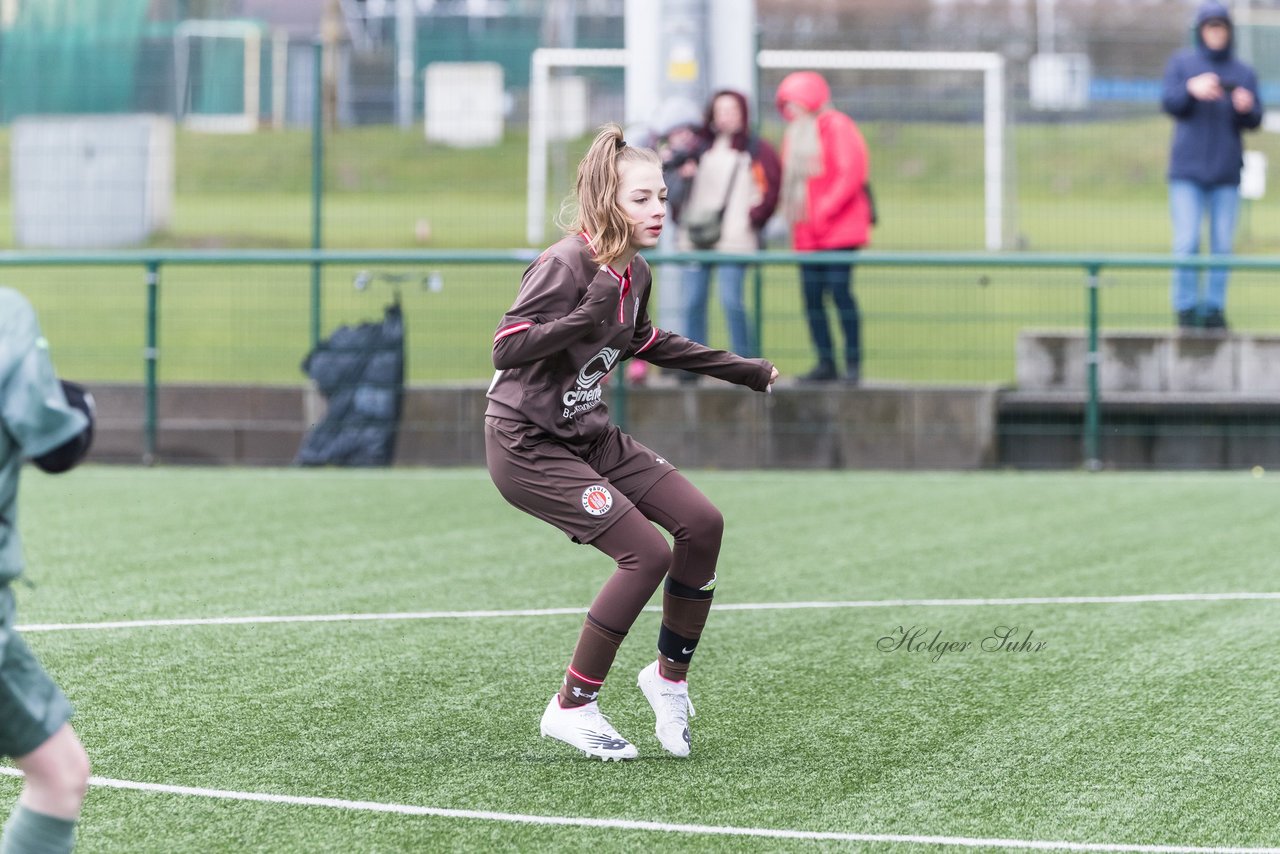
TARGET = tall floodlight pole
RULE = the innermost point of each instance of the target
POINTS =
(671, 52)
(733, 49)
(1045, 27)
(406, 61)
(668, 46)
(685, 50)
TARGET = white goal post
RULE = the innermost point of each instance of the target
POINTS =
(544, 59)
(991, 65)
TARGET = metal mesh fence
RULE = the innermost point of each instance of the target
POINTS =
(1192, 399)
(957, 323)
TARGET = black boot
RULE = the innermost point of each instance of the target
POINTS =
(823, 372)
(1214, 319)
(852, 373)
(1187, 319)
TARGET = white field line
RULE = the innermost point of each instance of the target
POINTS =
(742, 606)
(655, 826)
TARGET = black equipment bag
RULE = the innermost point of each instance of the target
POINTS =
(360, 371)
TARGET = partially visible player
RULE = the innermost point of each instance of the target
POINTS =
(50, 423)
(553, 452)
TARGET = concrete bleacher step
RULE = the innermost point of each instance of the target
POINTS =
(1176, 361)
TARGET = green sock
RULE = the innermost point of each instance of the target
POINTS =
(28, 832)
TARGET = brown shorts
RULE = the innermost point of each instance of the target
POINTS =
(581, 493)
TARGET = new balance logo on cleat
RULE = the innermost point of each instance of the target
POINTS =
(603, 741)
(586, 728)
(671, 708)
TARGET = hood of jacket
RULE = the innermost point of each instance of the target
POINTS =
(1211, 10)
(809, 89)
(673, 114)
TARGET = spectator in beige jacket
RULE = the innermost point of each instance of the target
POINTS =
(734, 192)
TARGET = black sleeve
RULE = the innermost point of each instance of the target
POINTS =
(67, 455)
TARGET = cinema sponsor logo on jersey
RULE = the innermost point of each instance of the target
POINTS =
(586, 392)
(1008, 639)
(597, 500)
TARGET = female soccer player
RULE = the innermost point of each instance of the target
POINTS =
(553, 452)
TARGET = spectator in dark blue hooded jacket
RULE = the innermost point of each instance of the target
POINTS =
(1212, 97)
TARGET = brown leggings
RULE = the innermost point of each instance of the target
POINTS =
(642, 553)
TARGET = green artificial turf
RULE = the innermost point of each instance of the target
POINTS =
(1135, 723)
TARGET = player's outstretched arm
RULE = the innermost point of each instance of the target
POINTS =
(669, 350)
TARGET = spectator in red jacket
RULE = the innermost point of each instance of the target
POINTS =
(824, 197)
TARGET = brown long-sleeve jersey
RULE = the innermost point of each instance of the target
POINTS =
(572, 323)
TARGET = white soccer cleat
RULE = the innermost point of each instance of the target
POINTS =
(671, 705)
(586, 728)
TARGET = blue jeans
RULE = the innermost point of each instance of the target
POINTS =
(818, 280)
(697, 288)
(1189, 202)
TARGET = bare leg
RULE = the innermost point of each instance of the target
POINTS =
(57, 775)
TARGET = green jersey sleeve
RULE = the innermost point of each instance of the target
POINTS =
(33, 409)
(34, 415)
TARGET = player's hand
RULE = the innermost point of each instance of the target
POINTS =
(1205, 87)
(773, 377)
(1242, 99)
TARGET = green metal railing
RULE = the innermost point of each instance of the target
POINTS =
(1091, 267)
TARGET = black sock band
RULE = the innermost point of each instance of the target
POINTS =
(675, 648)
(684, 591)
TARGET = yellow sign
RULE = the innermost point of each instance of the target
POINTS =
(682, 70)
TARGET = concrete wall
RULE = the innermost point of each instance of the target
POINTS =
(714, 426)
(256, 425)
(819, 427)
(1141, 431)
(717, 426)
(1189, 399)
(1151, 362)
